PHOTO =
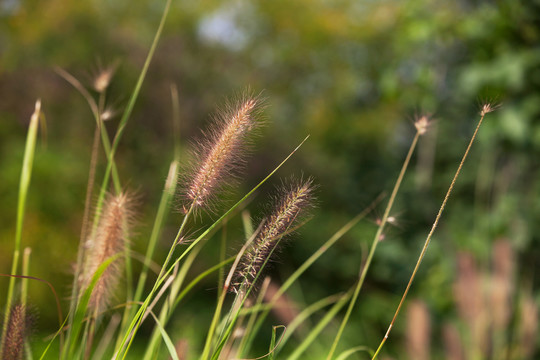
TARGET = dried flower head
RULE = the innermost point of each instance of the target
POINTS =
(103, 77)
(109, 240)
(223, 151)
(422, 124)
(294, 200)
(108, 114)
(488, 106)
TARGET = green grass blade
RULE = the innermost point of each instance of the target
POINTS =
(131, 104)
(273, 347)
(82, 306)
(166, 339)
(24, 184)
(307, 312)
(365, 267)
(166, 308)
(54, 338)
(314, 333)
(25, 271)
(344, 355)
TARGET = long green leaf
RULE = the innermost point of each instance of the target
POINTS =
(82, 306)
(24, 184)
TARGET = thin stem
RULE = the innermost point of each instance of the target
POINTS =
(376, 240)
(428, 239)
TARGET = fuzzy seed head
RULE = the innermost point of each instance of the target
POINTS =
(489, 106)
(293, 202)
(108, 114)
(109, 240)
(222, 152)
(17, 330)
(422, 125)
(103, 78)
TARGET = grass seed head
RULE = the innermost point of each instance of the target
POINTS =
(222, 152)
(103, 77)
(17, 330)
(109, 240)
(422, 124)
(291, 203)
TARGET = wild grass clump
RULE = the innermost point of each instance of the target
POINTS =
(104, 322)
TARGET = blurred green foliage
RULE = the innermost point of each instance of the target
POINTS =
(350, 73)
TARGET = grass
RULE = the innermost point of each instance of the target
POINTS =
(94, 329)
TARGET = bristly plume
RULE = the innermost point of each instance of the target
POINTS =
(109, 240)
(422, 124)
(293, 200)
(17, 330)
(222, 151)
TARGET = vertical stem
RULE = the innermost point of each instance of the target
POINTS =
(24, 184)
(428, 239)
(376, 240)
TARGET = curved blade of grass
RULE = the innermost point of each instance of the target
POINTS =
(273, 346)
(344, 355)
(107, 337)
(166, 338)
(253, 316)
(307, 312)
(82, 306)
(201, 276)
(221, 300)
(24, 184)
(60, 330)
(166, 308)
(165, 201)
(314, 333)
(187, 289)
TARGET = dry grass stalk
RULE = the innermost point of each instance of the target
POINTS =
(223, 151)
(18, 328)
(109, 240)
(294, 199)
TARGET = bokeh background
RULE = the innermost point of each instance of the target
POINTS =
(353, 74)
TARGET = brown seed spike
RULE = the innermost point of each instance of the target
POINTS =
(109, 240)
(294, 201)
(17, 330)
(222, 152)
